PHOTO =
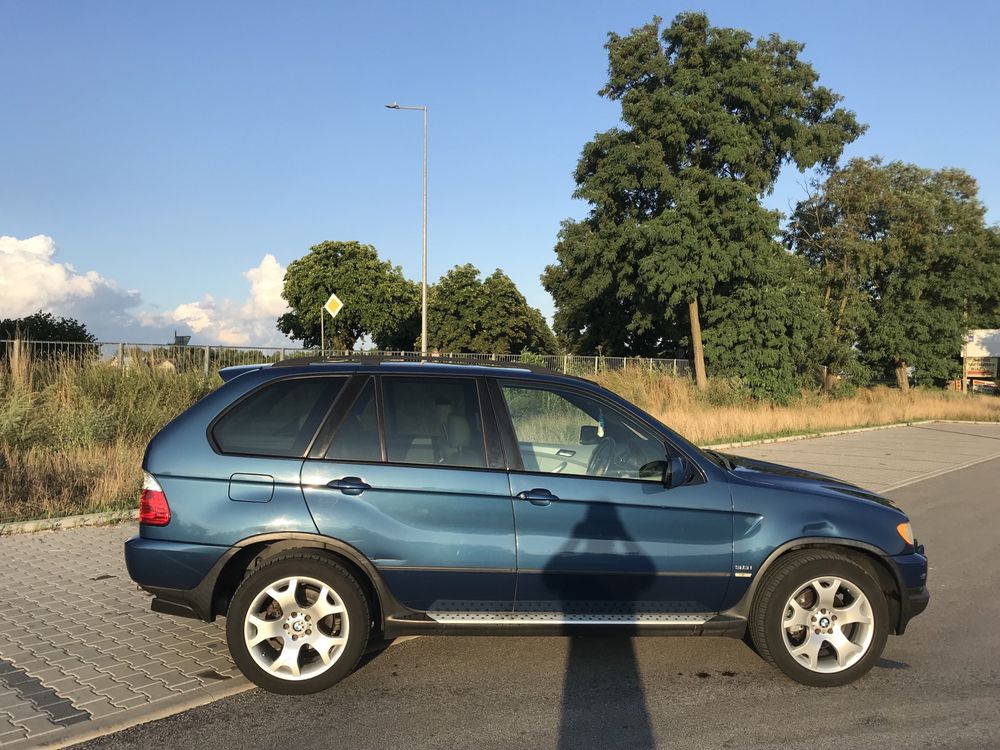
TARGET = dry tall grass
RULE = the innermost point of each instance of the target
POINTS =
(723, 414)
(72, 434)
(45, 483)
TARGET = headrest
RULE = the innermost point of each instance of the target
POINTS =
(458, 431)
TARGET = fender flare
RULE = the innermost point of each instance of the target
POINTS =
(251, 547)
(742, 607)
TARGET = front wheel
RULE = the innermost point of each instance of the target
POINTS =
(821, 618)
(298, 624)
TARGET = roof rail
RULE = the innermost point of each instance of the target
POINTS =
(379, 359)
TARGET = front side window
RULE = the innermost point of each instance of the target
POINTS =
(278, 420)
(433, 420)
(565, 432)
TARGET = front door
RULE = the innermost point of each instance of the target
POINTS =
(420, 498)
(597, 531)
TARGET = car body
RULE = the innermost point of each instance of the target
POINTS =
(422, 498)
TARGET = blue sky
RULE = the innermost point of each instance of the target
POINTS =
(169, 147)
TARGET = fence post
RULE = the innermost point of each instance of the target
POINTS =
(675, 368)
(205, 366)
(281, 355)
(565, 363)
(596, 360)
(121, 355)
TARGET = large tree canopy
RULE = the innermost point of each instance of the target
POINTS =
(44, 326)
(467, 314)
(710, 118)
(906, 263)
(378, 300)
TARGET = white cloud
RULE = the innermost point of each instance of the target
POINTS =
(31, 279)
(251, 323)
(266, 282)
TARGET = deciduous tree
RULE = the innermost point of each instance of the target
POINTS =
(467, 314)
(710, 117)
(44, 326)
(378, 300)
(906, 262)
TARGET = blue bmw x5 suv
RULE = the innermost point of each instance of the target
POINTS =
(315, 503)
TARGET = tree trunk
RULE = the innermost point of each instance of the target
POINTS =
(902, 377)
(697, 350)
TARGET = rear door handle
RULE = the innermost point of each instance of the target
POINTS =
(349, 485)
(537, 496)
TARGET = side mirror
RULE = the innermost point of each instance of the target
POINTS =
(676, 473)
(672, 472)
(588, 435)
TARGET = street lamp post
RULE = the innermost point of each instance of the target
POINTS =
(423, 283)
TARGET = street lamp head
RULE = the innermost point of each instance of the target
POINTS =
(394, 105)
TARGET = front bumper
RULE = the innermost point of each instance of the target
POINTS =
(913, 602)
(911, 572)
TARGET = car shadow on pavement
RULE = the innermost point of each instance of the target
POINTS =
(603, 703)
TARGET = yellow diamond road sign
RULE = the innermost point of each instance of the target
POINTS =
(333, 305)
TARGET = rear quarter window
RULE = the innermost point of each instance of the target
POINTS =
(279, 420)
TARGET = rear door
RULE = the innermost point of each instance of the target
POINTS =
(410, 473)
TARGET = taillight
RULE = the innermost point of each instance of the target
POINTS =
(153, 508)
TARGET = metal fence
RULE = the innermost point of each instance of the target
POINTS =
(209, 359)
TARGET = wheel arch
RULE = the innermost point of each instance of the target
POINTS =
(250, 553)
(866, 554)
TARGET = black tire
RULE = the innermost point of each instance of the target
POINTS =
(790, 575)
(307, 565)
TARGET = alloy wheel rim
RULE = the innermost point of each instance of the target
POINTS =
(296, 628)
(828, 625)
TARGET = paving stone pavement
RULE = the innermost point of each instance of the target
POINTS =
(80, 647)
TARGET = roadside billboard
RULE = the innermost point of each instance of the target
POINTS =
(982, 342)
(980, 367)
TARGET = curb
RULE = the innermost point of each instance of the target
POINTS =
(160, 710)
(832, 433)
(68, 522)
(811, 435)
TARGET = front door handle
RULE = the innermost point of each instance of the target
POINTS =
(537, 496)
(349, 485)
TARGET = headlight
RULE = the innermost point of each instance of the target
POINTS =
(905, 530)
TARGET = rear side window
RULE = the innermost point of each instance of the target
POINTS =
(433, 421)
(279, 419)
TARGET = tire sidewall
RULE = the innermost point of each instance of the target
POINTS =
(329, 573)
(791, 582)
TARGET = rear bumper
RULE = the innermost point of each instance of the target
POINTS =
(181, 577)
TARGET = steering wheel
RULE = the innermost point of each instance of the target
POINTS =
(600, 459)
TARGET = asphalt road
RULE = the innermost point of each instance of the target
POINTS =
(937, 686)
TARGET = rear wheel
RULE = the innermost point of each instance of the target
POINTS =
(298, 624)
(821, 618)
